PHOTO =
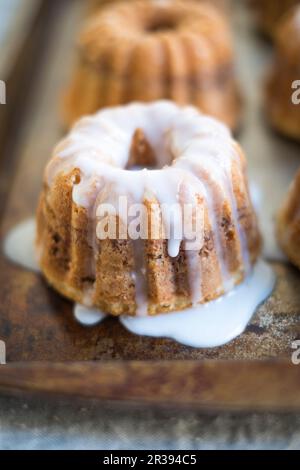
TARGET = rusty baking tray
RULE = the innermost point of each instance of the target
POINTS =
(48, 352)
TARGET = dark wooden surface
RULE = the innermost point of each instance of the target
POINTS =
(47, 351)
(211, 385)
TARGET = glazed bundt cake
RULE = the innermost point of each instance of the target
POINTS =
(146, 51)
(156, 155)
(282, 91)
(288, 223)
(270, 12)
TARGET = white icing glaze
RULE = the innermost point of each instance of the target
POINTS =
(88, 316)
(19, 245)
(192, 151)
(266, 210)
(212, 324)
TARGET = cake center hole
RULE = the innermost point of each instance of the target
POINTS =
(142, 154)
(160, 24)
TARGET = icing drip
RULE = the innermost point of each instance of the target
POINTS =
(88, 316)
(240, 231)
(212, 324)
(19, 245)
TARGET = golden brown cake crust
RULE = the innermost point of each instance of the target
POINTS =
(146, 51)
(269, 13)
(288, 223)
(95, 4)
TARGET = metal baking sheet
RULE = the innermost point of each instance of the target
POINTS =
(47, 351)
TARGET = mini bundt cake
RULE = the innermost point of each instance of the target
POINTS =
(270, 12)
(146, 51)
(282, 94)
(155, 155)
(288, 223)
(95, 4)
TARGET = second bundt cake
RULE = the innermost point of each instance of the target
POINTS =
(288, 223)
(269, 13)
(145, 51)
(282, 91)
(95, 4)
(158, 157)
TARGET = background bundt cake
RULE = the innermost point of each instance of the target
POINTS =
(288, 223)
(284, 110)
(270, 12)
(144, 51)
(95, 4)
(193, 159)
